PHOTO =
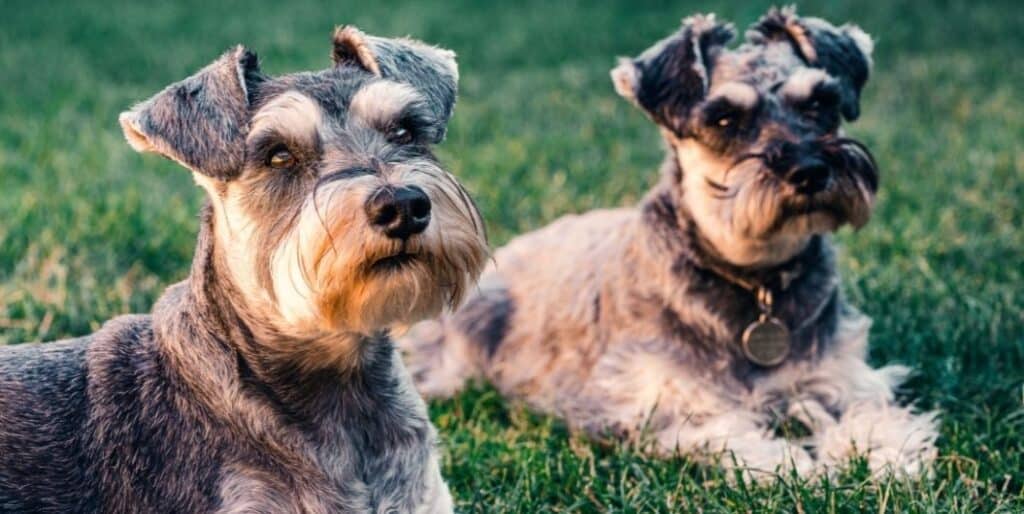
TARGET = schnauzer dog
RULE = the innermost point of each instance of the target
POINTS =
(708, 320)
(266, 381)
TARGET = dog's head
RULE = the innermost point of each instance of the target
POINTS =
(756, 130)
(330, 211)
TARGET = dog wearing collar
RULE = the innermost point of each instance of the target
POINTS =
(708, 318)
(266, 381)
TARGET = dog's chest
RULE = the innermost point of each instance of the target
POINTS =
(355, 466)
(710, 318)
(370, 452)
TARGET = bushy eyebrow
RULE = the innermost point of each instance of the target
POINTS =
(739, 95)
(824, 91)
(415, 115)
(382, 103)
(291, 116)
(805, 83)
(266, 139)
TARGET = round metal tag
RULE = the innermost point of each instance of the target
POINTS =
(766, 342)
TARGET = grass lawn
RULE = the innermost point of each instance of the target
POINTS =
(89, 229)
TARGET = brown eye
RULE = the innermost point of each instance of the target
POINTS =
(281, 159)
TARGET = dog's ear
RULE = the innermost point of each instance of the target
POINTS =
(431, 70)
(844, 52)
(350, 48)
(669, 78)
(200, 122)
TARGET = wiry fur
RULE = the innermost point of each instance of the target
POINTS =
(627, 323)
(266, 381)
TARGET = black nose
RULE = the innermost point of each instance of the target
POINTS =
(809, 176)
(400, 213)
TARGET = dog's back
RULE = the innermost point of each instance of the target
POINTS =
(535, 318)
(86, 425)
(43, 413)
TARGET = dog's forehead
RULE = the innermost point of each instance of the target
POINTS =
(763, 66)
(332, 90)
(337, 95)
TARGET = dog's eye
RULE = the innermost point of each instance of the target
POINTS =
(814, 106)
(722, 115)
(400, 135)
(821, 101)
(724, 119)
(281, 159)
(821, 109)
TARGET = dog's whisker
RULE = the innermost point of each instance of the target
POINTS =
(319, 215)
(303, 270)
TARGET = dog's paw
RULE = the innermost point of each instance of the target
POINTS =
(771, 459)
(893, 439)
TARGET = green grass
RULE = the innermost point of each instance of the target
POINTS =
(89, 229)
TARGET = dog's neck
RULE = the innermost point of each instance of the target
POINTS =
(221, 347)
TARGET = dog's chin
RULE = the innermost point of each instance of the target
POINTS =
(818, 221)
(396, 289)
(400, 262)
(388, 283)
(829, 210)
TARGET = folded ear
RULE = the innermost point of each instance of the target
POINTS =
(669, 78)
(200, 122)
(431, 70)
(351, 48)
(844, 52)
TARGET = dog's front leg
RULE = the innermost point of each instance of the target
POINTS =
(648, 390)
(246, 490)
(852, 411)
(437, 499)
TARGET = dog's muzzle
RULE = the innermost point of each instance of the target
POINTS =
(399, 213)
(812, 166)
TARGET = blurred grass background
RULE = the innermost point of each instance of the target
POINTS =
(89, 229)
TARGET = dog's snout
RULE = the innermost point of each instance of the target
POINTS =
(399, 212)
(809, 176)
(801, 165)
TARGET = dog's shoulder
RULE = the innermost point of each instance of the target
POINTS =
(119, 343)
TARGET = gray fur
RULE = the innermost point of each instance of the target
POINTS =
(203, 118)
(428, 68)
(627, 322)
(223, 399)
(836, 50)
